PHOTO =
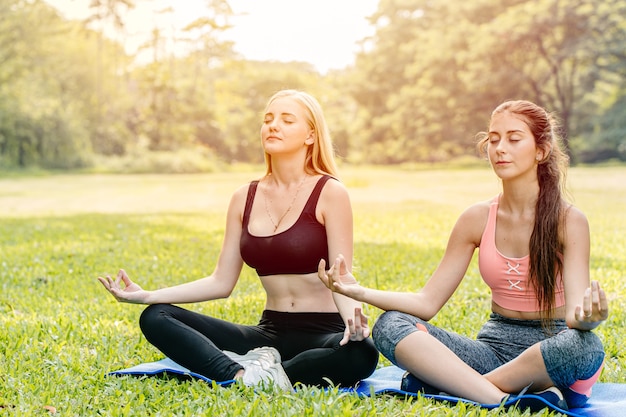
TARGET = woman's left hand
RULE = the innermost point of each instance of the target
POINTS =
(595, 307)
(357, 328)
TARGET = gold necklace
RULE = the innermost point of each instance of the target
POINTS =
(293, 200)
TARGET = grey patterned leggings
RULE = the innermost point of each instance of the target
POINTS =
(570, 355)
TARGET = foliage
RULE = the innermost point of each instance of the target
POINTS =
(62, 333)
(438, 68)
(422, 86)
(39, 124)
(605, 139)
(242, 89)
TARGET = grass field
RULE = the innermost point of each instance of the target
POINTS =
(61, 332)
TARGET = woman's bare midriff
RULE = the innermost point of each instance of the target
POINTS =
(559, 313)
(297, 294)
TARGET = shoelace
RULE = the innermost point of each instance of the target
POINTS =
(522, 392)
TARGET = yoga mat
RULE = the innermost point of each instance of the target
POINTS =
(165, 366)
(607, 399)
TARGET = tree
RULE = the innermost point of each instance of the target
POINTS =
(435, 69)
(39, 124)
(107, 14)
(557, 51)
(242, 89)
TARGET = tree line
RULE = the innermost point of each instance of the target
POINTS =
(419, 90)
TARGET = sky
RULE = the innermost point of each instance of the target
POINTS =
(324, 33)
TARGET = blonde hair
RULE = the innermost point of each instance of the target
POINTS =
(320, 156)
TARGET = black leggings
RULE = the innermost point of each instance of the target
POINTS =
(308, 344)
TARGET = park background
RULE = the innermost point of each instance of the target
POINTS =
(110, 159)
(420, 85)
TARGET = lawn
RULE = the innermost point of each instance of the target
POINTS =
(61, 332)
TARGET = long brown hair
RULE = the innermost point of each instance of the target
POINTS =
(546, 240)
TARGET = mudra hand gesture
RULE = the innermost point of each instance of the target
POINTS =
(131, 293)
(357, 328)
(595, 307)
(338, 279)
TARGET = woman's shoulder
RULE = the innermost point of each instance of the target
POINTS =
(472, 222)
(575, 231)
(334, 196)
(242, 190)
(574, 217)
(477, 211)
(240, 195)
(333, 187)
(571, 210)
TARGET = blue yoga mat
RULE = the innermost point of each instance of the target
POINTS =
(607, 400)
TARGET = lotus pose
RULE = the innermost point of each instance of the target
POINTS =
(533, 254)
(281, 225)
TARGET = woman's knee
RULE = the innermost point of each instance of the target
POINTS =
(382, 326)
(572, 355)
(585, 345)
(390, 328)
(152, 316)
(369, 352)
(364, 357)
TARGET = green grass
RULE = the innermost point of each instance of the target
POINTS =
(61, 332)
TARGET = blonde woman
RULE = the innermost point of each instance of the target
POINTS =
(281, 225)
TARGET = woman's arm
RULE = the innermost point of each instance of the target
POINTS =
(217, 285)
(586, 305)
(464, 239)
(336, 212)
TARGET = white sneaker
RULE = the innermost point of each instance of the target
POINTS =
(265, 355)
(256, 375)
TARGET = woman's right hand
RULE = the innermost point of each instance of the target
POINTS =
(131, 293)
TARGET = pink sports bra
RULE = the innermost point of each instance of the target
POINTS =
(508, 277)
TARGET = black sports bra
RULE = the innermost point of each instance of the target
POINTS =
(296, 250)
